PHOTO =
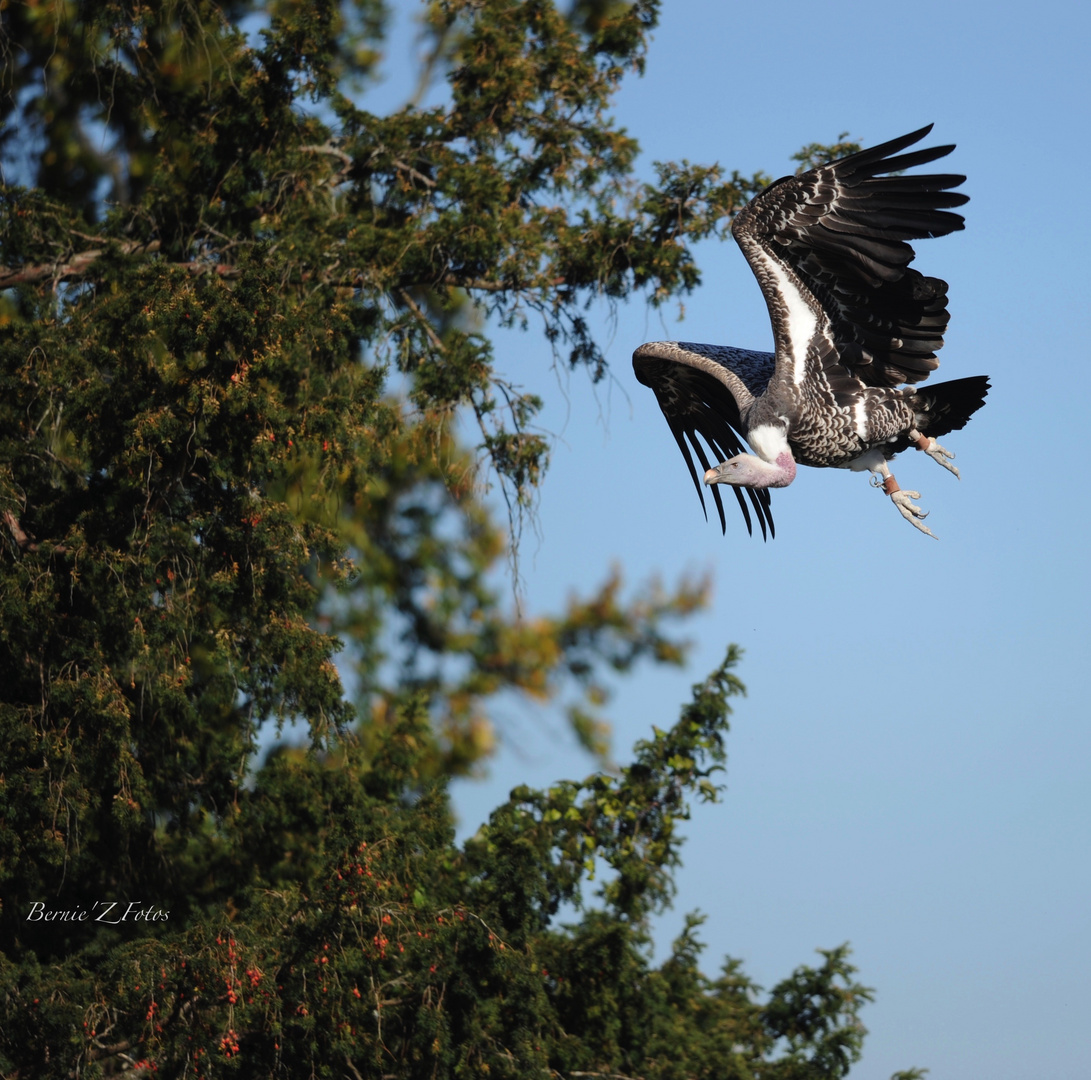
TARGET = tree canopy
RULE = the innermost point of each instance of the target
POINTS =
(239, 314)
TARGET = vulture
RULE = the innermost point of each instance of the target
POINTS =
(855, 331)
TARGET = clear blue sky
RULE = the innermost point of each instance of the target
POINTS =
(910, 771)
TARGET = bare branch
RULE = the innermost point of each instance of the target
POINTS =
(427, 181)
(77, 266)
(83, 263)
(25, 542)
(476, 283)
(433, 337)
(332, 151)
(348, 161)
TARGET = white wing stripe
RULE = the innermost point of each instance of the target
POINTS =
(860, 416)
(800, 320)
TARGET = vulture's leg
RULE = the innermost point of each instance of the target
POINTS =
(934, 450)
(901, 499)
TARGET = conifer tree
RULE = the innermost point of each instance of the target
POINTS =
(238, 314)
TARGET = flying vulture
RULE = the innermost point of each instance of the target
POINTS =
(851, 322)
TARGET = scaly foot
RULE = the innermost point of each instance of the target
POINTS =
(937, 453)
(903, 500)
(909, 510)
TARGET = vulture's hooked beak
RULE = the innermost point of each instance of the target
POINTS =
(722, 473)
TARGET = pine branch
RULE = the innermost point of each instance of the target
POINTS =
(83, 263)
(61, 270)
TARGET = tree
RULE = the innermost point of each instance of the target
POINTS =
(218, 269)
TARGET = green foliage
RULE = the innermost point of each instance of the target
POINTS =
(238, 315)
(393, 951)
(815, 154)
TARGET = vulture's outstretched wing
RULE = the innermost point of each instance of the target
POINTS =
(830, 251)
(705, 390)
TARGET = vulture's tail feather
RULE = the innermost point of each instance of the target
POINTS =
(948, 406)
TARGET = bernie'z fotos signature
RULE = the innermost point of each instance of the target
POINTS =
(111, 912)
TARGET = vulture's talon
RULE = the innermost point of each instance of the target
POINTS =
(941, 455)
(911, 511)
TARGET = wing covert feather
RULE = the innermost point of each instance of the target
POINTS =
(703, 398)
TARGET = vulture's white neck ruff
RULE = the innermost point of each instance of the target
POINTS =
(769, 441)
